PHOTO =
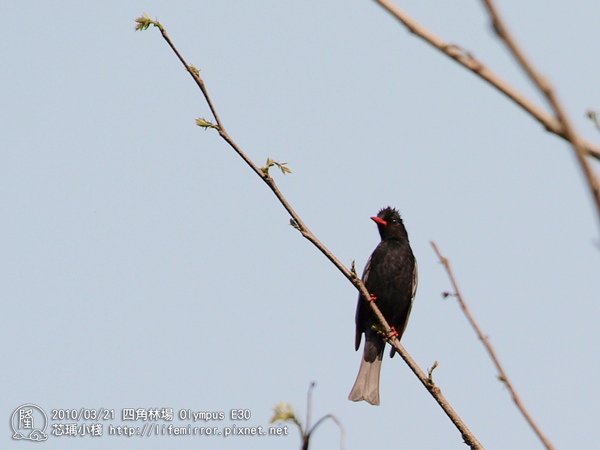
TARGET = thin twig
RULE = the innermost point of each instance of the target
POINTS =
(467, 60)
(469, 438)
(548, 91)
(308, 430)
(309, 404)
(321, 420)
(502, 376)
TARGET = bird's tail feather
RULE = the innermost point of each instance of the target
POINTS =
(366, 386)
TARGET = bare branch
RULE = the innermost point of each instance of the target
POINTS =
(309, 404)
(310, 430)
(468, 437)
(547, 90)
(467, 60)
(502, 376)
(321, 420)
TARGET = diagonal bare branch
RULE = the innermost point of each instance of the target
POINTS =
(469, 438)
(502, 376)
(467, 60)
(547, 90)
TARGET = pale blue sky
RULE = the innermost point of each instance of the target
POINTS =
(145, 266)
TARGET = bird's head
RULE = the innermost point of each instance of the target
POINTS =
(390, 224)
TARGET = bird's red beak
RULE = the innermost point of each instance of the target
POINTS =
(379, 221)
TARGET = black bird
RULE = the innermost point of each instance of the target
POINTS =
(391, 278)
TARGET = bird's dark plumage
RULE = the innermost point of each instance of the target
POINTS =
(390, 275)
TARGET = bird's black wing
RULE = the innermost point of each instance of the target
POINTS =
(400, 325)
(361, 309)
